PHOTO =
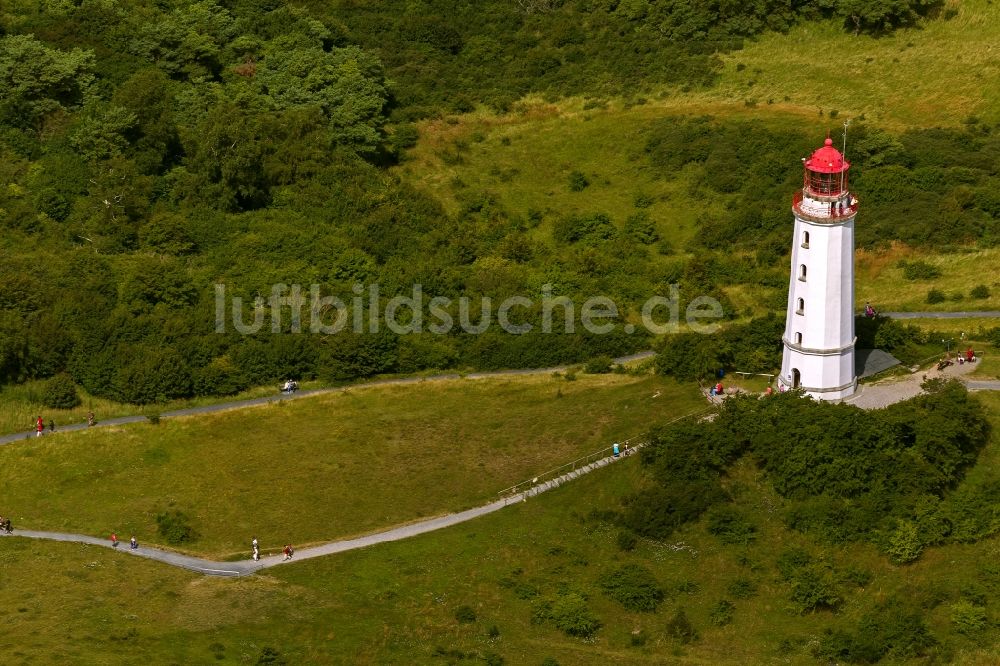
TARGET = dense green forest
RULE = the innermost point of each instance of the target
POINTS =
(149, 151)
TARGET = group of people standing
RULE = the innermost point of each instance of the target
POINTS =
(132, 543)
(40, 426)
(287, 551)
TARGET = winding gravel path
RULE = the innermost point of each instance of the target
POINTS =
(246, 567)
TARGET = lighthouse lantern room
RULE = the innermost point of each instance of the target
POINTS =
(819, 336)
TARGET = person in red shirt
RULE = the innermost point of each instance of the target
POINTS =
(39, 426)
(114, 540)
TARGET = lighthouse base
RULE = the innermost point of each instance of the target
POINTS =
(825, 394)
(823, 375)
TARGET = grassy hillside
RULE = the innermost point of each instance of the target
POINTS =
(880, 279)
(525, 159)
(939, 74)
(329, 466)
(397, 603)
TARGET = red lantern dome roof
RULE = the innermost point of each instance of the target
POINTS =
(827, 159)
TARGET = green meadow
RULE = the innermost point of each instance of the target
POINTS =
(328, 466)
(880, 280)
(363, 458)
(402, 603)
(938, 74)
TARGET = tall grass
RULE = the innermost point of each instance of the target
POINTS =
(331, 465)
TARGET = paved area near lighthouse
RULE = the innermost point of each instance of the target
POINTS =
(896, 389)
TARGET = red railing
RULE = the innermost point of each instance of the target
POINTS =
(831, 212)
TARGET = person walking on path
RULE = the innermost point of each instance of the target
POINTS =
(114, 540)
(90, 419)
(255, 549)
(39, 426)
(287, 551)
(52, 425)
(133, 544)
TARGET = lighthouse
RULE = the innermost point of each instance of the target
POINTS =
(819, 335)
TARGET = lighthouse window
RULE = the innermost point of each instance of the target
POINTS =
(802, 272)
(798, 338)
(805, 239)
(800, 306)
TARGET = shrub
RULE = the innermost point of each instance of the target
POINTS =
(591, 228)
(626, 541)
(154, 376)
(688, 586)
(656, 512)
(570, 614)
(891, 335)
(993, 335)
(905, 544)
(967, 617)
(890, 629)
(936, 296)
(722, 613)
(404, 136)
(270, 656)
(640, 228)
(856, 576)
(813, 590)
(642, 200)
(679, 628)
(919, 270)
(634, 587)
(730, 525)
(465, 615)
(791, 560)
(742, 588)
(980, 292)
(218, 378)
(60, 393)
(524, 590)
(175, 527)
(598, 366)
(578, 182)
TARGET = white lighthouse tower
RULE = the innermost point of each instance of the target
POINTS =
(819, 328)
